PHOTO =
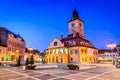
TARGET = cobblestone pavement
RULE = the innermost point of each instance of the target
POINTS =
(97, 73)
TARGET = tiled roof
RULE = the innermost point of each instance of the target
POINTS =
(15, 35)
(71, 41)
(106, 50)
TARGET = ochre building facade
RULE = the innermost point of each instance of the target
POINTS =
(74, 48)
(13, 44)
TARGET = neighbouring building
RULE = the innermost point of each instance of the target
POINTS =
(35, 53)
(74, 48)
(13, 43)
(107, 54)
(118, 50)
(3, 51)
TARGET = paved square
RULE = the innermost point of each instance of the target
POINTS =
(97, 73)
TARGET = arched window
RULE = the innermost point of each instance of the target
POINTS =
(71, 59)
(56, 59)
(61, 60)
(53, 59)
(55, 43)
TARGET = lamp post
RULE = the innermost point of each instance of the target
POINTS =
(112, 46)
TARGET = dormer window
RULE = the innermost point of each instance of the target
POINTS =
(19, 39)
(72, 24)
(55, 43)
(11, 35)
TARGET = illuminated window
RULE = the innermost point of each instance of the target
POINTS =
(55, 43)
(8, 58)
(66, 51)
(50, 52)
(53, 52)
(61, 51)
(57, 51)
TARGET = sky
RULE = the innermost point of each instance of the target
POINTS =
(40, 21)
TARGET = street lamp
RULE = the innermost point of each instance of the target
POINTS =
(112, 46)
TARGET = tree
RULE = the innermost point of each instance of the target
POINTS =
(31, 60)
(18, 61)
(27, 61)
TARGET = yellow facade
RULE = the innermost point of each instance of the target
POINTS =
(7, 55)
(57, 57)
(36, 56)
(74, 48)
(70, 56)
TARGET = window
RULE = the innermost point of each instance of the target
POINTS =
(72, 24)
(55, 43)
(52, 59)
(53, 52)
(0, 51)
(49, 60)
(2, 59)
(61, 60)
(57, 51)
(82, 59)
(113, 55)
(66, 51)
(50, 52)
(80, 24)
(71, 52)
(71, 59)
(61, 51)
(76, 51)
(56, 59)
(85, 51)
(82, 51)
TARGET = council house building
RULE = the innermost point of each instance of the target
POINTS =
(74, 48)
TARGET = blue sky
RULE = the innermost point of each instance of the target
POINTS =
(40, 21)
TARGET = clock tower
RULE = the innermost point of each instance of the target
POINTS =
(76, 25)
